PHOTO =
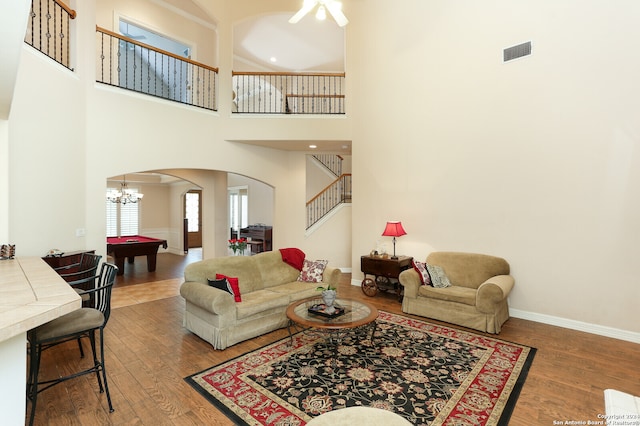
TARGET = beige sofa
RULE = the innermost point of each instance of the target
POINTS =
(267, 286)
(477, 297)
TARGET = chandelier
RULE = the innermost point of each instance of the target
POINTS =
(124, 195)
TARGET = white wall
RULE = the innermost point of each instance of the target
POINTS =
(317, 177)
(47, 157)
(333, 240)
(535, 160)
(4, 181)
(14, 25)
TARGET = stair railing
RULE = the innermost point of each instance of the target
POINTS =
(338, 192)
(331, 162)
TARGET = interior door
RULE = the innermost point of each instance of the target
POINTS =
(193, 213)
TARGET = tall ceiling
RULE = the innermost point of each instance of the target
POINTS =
(308, 46)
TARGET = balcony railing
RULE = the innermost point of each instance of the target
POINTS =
(338, 192)
(48, 29)
(288, 93)
(129, 64)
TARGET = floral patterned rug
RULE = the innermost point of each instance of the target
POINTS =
(429, 374)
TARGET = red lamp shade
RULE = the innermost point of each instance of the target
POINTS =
(394, 229)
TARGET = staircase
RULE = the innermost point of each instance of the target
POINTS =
(335, 194)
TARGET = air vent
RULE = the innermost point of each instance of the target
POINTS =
(511, 53)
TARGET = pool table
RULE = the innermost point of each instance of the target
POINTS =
(134, 245)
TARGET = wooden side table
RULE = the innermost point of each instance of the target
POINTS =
(385, 271)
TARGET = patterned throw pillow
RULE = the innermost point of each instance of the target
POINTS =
(233, 282)
(421, 269)
(438, 278)
(312, 271)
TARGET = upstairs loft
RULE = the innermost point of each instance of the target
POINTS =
(126, 62)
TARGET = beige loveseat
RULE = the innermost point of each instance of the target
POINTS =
(477, 297)
(267, 286)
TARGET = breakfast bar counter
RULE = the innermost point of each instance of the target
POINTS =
(31, 294)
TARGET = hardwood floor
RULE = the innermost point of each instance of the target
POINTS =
(168, 266)
(149, 353)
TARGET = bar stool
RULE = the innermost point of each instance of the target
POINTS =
(84, 322)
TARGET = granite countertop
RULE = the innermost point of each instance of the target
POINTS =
(31, 294)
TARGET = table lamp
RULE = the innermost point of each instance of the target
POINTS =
(394, 229)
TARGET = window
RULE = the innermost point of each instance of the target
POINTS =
(238, 208)
(147, 71)
(192, 211)
(122, 219)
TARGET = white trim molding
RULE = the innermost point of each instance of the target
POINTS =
(600, 330)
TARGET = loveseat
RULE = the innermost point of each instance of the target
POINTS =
(267, 286)
(476, 297)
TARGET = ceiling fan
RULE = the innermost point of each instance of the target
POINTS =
(333, 6)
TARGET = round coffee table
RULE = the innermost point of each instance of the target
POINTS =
(356, 314)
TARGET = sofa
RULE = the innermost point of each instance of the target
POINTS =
(267, 286)
(476, 297)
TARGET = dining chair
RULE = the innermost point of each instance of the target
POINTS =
(81, 323)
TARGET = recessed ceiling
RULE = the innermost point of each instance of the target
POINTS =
(308, 46)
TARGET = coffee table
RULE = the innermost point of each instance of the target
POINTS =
(357, 314)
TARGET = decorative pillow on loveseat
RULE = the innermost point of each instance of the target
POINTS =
(312, 271)
(421, 269)
(233, 283)
(438, 278)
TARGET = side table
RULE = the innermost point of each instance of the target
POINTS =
(386, 271)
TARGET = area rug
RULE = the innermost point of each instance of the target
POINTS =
(429, 374)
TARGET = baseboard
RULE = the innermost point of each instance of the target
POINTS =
(600, 330)
(616, 333)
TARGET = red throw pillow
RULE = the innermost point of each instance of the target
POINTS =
(233, 282)
(293, 256)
